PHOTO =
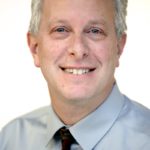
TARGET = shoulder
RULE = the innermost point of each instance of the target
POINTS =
(137, 109)
(38, 115)
(32, 125)
(132, 126)
(135, 116)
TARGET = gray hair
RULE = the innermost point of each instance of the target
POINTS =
(36, 11)
(120, 16)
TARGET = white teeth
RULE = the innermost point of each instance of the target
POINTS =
(77, 71)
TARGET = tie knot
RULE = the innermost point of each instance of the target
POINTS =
(66, 138)
(65, 134)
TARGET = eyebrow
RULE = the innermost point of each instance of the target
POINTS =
(61, 21)
(93, 22)
(96, 22)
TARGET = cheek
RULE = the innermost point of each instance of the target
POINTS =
(106, 53)
(50, 51)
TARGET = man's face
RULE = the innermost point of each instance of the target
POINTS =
(77, 48)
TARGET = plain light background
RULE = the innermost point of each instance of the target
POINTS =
(22, 87)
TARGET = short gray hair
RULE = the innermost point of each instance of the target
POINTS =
(36, 11)
(120, 16)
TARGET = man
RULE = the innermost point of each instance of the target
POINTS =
(77, 44)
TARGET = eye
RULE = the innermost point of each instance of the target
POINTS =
(59, 32)
(60, 29)
(95, 31)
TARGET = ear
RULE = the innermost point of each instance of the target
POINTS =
(33, 45)
(121, 45)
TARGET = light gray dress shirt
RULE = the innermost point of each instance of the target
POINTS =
(118, 124)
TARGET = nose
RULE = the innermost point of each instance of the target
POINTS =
(78, 47)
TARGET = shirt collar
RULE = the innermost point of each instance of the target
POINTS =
(53, 125)
(93, 127)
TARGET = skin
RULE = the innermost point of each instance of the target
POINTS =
(77, 34)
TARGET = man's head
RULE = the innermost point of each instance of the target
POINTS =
(120, 16)
(76, 46)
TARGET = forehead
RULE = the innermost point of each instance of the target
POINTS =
(78, 10)
(85, 5)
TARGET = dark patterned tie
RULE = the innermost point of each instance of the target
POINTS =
(66, 138)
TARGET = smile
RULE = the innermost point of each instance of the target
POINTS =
(77, 71)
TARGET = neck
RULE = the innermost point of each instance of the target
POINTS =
(72, 112)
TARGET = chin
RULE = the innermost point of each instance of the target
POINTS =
(77, 96)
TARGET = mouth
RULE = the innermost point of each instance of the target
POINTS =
(79, 71)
